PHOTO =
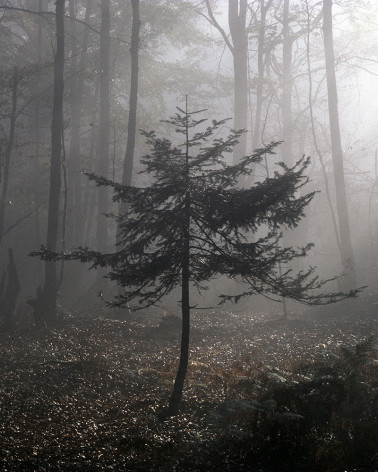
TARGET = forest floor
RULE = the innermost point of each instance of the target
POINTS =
(89, 395)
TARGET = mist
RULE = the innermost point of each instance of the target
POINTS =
(250, 128)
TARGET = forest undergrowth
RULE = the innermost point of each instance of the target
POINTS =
(262, 394)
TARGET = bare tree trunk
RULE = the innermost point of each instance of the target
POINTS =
(256, 139)
(347, 256)
(8, 152)
(36, 127)
(128, 162)
(9, 293)
(74, 160)
(104, 125)
(131, 127)
(287, 87)
(89, 202)
(50, 289)
(237, 16)
(237, 13)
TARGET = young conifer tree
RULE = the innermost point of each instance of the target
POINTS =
(194, 224)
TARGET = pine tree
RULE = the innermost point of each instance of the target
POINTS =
(194, 224)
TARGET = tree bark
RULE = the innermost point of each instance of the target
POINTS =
(9, 293)
(237, 14)
(104, 126)
(287, 87)
(347, 257)
(8, 152)
(256, 138)
(50, 289)
(74, 160)
(131, 127)
(128, 162)
(238, 46)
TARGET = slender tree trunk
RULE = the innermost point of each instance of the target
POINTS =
(175, 400)
(131, 127)
(74, 160)
(315, 139)
(237, 14)
(287, 87)
(128, 162)
(337, 153)
(50, 289)
(9, 293)
(89, 202)
(36, 126)
(256, 138)
(104, 126)
(8, 152)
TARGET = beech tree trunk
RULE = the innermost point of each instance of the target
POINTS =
(133, 102)
(237, 14)
(9, 293)
(50, 288)
(256, 138)
(128, 162)
(347, 257)
(75, 204)
(287, 87)
(104, 126)
(8, 153)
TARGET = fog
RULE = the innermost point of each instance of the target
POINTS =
(188, 183)
(184, 50)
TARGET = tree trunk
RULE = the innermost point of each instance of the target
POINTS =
(104, 126)
(8, 152)
(41, 5)
(128, 162)
(74, 160)
(50, 289)
(175, 400)
(337, 153)
(89, 201)
(256, 138)
(237, 13)
(9, 293)
(287, 87)
(131, 127)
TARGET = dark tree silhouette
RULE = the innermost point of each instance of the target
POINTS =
(193, 224)
(45, 303)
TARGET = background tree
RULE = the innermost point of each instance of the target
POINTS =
(46, 314)
(181, 54)
(347, 256)
(238, 46)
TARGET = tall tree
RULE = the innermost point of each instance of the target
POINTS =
(264, 7)
(76, 93)
(287, 86)
(237, 18)
(133, 101)
(46, 312)
(4, 175)
(347, 256)
(104, 123)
